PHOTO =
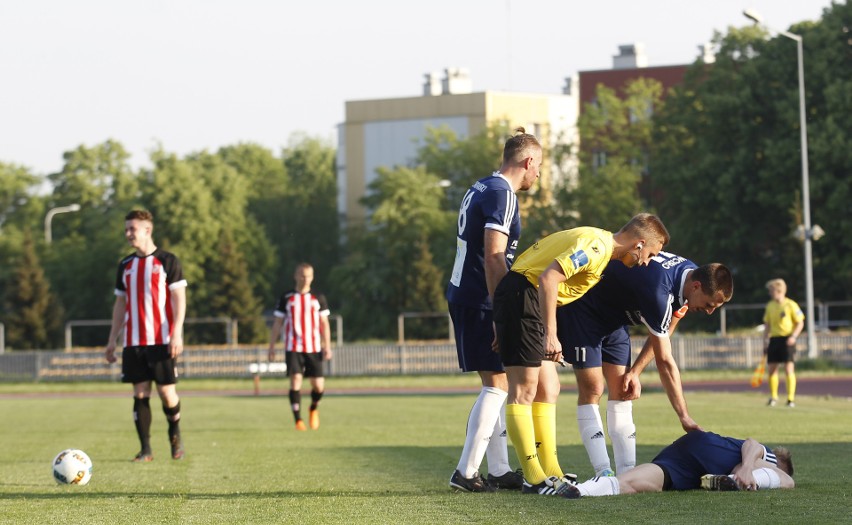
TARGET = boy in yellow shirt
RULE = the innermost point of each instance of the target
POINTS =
(783, 322)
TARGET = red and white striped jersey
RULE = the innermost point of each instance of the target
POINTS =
(146, 282)
(301, 313)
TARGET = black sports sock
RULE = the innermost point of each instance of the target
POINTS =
(173, 417)
(315, 399)
(142, 418)
(295, 404)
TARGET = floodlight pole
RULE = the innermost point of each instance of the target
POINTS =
(806, 195)
(48, 237)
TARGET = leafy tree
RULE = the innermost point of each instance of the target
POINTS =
(462, 160)
(389, 257)
(729, 157)
(231, 292)
(17, 185)
(615, 143)
(267, 183)
(33, 316)
(88, 244)
(459, 161)
(310, 224)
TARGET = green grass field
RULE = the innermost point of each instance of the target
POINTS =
(377, 459)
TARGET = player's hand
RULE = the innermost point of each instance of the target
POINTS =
(791, 341)
(744, 478)
(631, 388)
(175, 346)
(326, 353)
(271, 355)
(110, 353)
(552, 347)
(689, 424)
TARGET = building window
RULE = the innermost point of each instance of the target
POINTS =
(598, 160)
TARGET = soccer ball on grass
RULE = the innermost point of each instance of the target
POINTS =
(72, 467)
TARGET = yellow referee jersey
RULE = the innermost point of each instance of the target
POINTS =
(583, 253)
(781, 318)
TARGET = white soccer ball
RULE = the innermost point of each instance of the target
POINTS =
(72, 467)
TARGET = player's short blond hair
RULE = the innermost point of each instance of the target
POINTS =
(784, 457)
(777, 284)
(648, 226)
(520, 146)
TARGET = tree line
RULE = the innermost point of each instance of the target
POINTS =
(717, 157)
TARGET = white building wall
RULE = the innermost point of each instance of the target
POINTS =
(341, 170)
(392, 143)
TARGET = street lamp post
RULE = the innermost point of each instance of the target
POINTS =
(806, 195)
(49, 217)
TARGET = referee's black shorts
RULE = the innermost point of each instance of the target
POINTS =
(779, 352)
(517, 318)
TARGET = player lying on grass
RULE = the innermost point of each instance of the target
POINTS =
(700, 459)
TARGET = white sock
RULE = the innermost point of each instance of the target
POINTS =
(497, 451)
(480, 425)
(606, 486)
(591, 431)
(766, 478)
(622, 433)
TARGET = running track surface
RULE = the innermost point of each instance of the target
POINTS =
(806, 386)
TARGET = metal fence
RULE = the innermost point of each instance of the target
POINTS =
(691, 353)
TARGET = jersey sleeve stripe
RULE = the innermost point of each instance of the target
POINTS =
(178, 284)
(511, 205)
(499, 227)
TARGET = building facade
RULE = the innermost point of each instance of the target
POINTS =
(388, 132)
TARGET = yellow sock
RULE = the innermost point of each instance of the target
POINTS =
(773, 386)
(544, 422)
(519, 426)
(791, 387)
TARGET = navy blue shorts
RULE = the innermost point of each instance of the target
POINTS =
(587, 343)
(697, 453)
(474, 333)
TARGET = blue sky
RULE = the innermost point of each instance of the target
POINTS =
(200, 74)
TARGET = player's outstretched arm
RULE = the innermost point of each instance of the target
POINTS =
(670, 377)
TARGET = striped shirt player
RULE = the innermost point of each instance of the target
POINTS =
(146, 283)
(150, 305)
(302, 313)
(301, 319)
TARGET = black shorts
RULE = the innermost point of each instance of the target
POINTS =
(308, 365)
(517, 318)
(474, 332)
(779, 352)
(148, 363)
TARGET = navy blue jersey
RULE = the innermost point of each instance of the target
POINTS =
(489, 204)
(646, 295)
(697, 453)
